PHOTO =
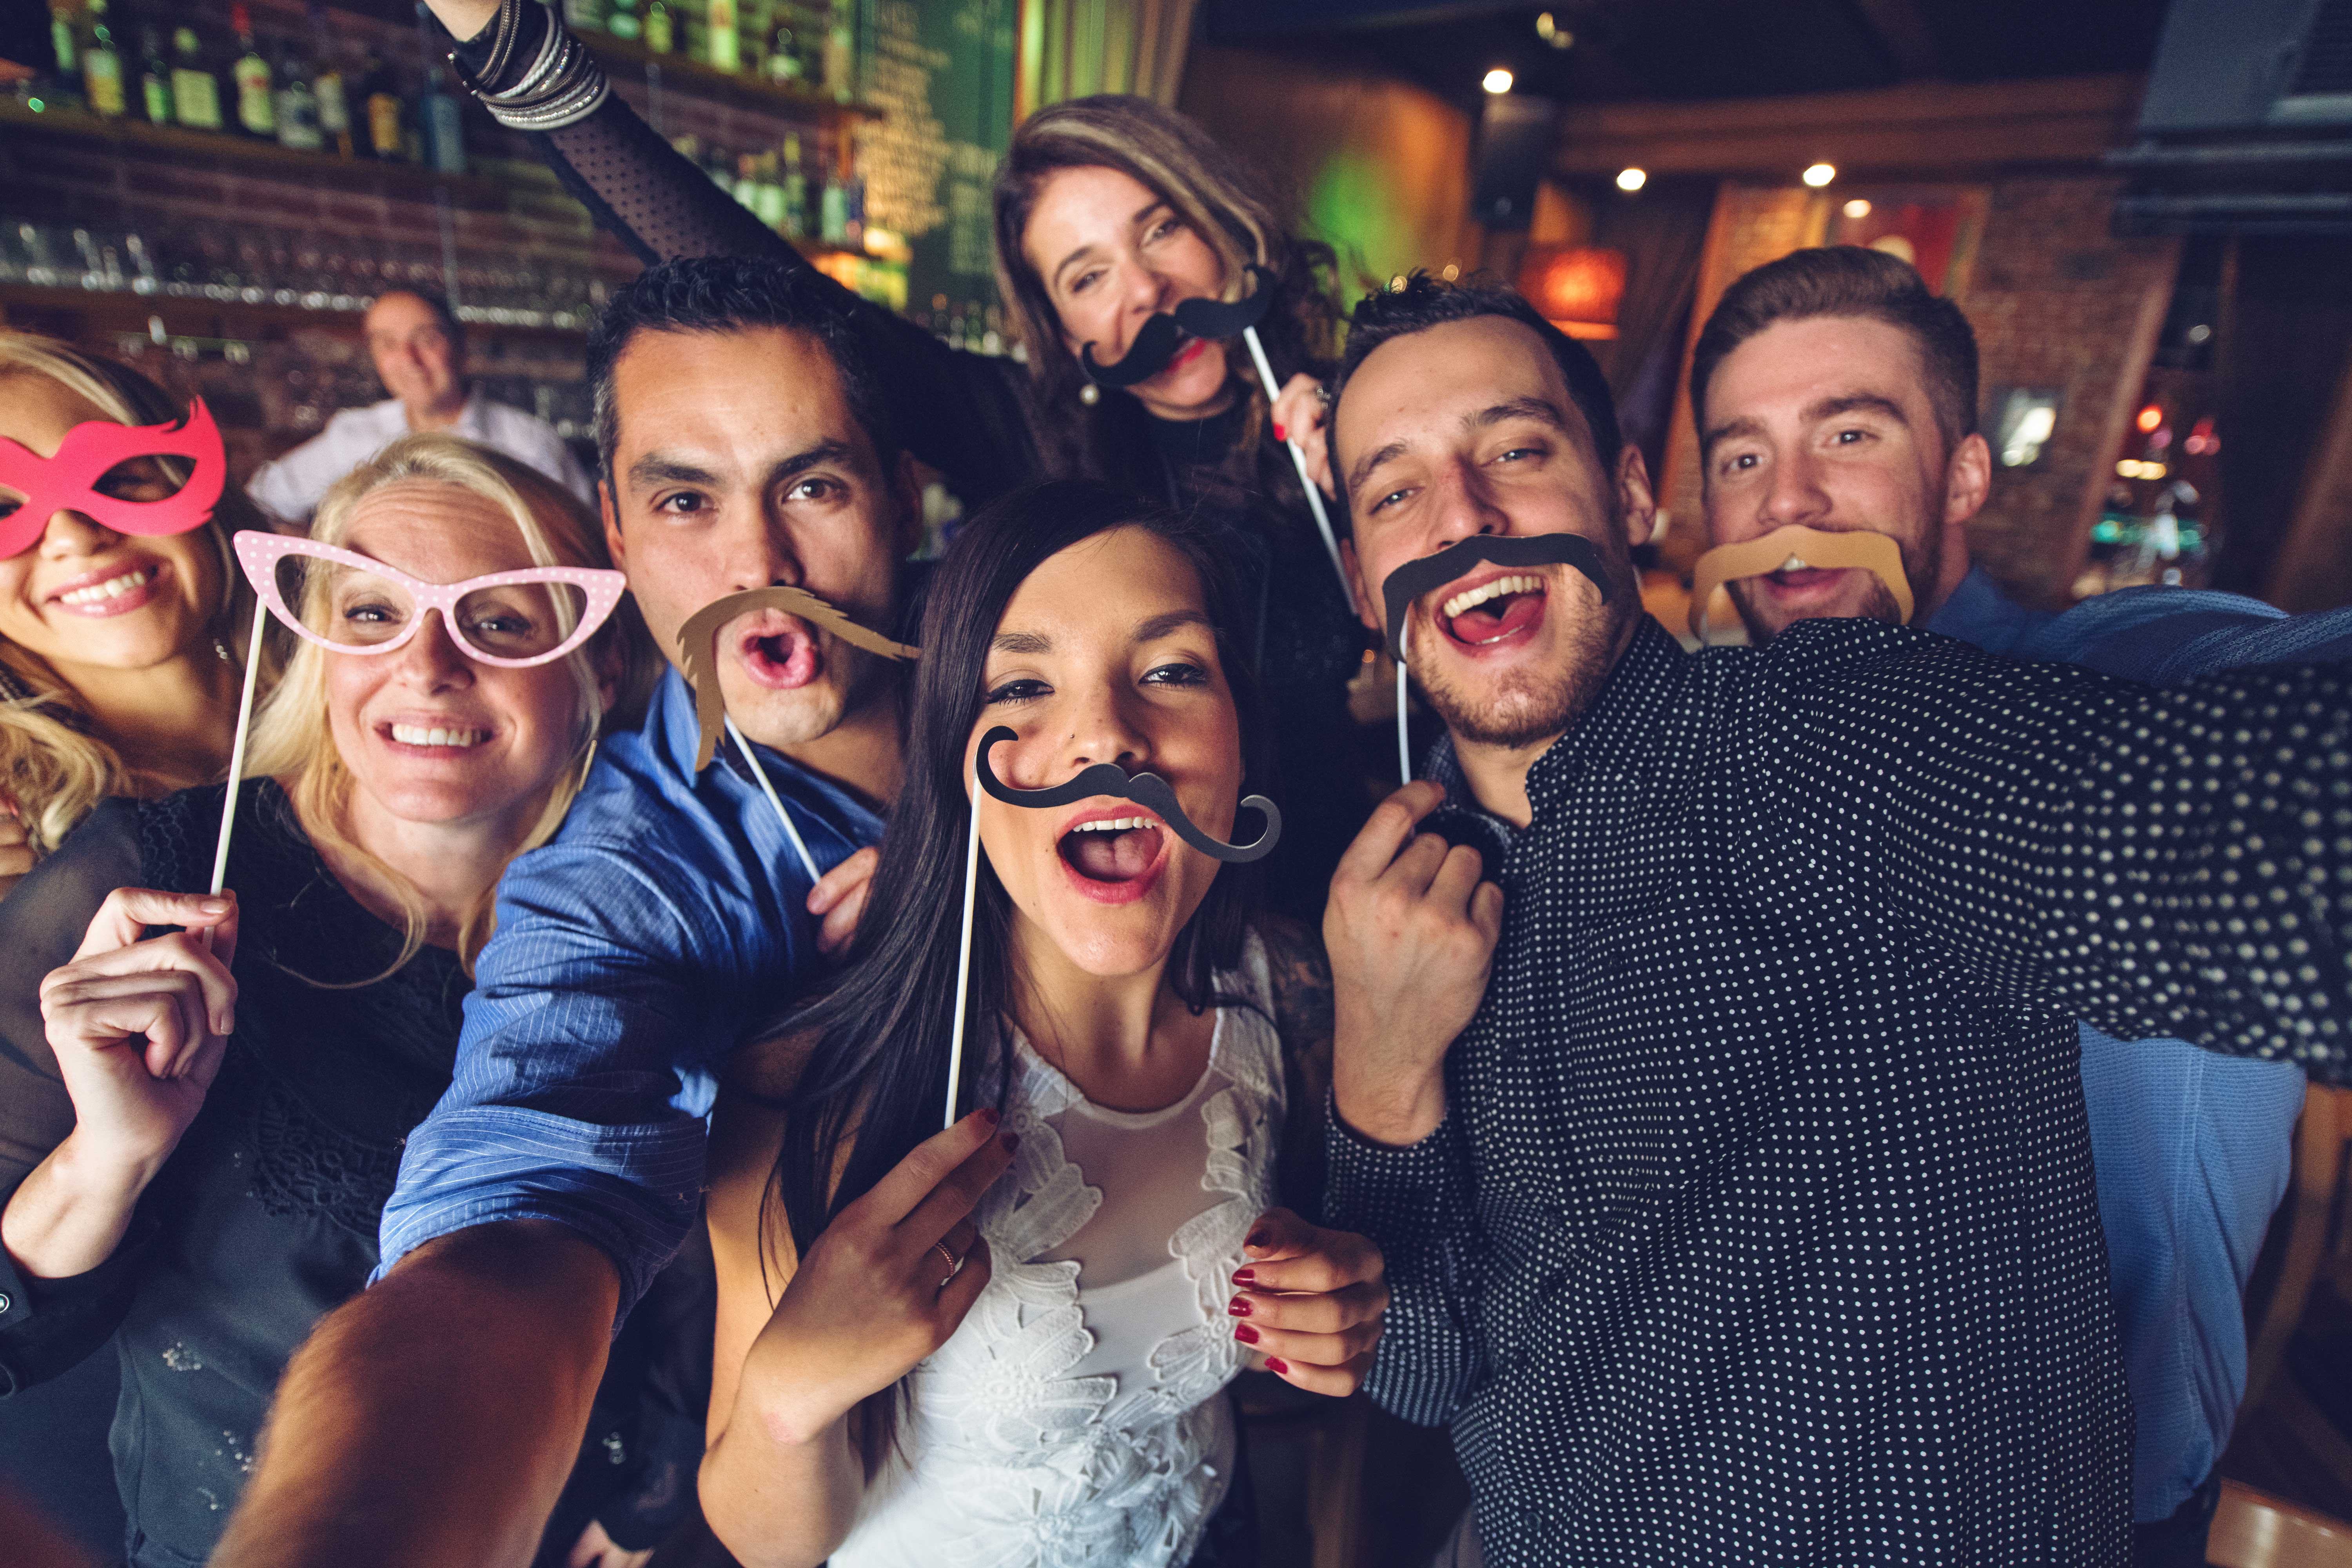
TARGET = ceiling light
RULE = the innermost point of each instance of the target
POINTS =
(1549, 30)
(1631, 179)
(1498, 80)
(1819, 174)
(1857, 208)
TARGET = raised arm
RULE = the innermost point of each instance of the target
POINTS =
(434, 1418)
(2174, 862)
(963, 413)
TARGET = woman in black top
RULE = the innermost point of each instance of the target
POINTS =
(198, 1131)
(1108, 210)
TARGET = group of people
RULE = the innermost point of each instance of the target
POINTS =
(1816, 1102)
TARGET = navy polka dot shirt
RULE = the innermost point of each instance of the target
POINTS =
(1761, 1227)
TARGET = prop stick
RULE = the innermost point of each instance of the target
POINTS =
(963, 950)
(775, 800)
(236, 747)
(1298, 461)
(1404, 747)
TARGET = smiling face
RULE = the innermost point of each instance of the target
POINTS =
(1827, 423)
(1106, 655)
(413, 353)
(1112, 254)
(1468, 428)
(740, 464)
(429, 735)
(84, 596)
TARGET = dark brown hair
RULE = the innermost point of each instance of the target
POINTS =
(1848, 280)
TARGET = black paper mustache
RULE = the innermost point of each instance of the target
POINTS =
(1414, 578)
(1156, 340)
(1147, 790)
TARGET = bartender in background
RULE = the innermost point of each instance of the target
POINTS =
(419, 351)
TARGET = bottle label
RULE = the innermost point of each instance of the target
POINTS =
(197, 98)
(254, 111)
(101, 77)
(659, 37)
(726, 48)
(334, 113)
(157, 91)
(297, 120)
(384, 124)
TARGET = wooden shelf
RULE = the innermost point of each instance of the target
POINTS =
(684, 73)
(119, 310)
(181, 145)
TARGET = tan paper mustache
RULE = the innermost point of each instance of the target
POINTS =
(1873, 553)
(697, 647)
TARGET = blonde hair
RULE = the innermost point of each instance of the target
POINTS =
(291, 740)
(53, 764)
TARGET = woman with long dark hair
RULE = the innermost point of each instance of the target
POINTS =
(919, 1362)
(1109, 211)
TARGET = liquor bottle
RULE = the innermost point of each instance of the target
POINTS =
(726, 48)
(833, 212)
(155, 78)
(327, 87)
(380, 94)
(796, 213)
(746, 187)
(661, 28)
(840, 53)
(63, 45)
(195, 92)
(102, 65)
(584, 15)
(786, 67)
(623, 21)
(438, 122)
(257, 110)
(296, 102)
(768, 191)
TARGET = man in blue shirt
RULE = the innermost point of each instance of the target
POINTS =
(1833, 392)
(743, 445)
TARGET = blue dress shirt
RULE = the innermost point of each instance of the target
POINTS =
(2192, 1150)
(632, 952)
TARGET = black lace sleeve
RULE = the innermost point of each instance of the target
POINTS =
(965, 415)
(41, 923)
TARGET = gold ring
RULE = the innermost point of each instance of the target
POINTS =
(955, 1264)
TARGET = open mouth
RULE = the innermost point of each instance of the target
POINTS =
(778, 652)
(1794, 576)
(114, 594)
(1494, 612)
(443, 739)
(1113, 858)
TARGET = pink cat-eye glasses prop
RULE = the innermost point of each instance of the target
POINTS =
(510, 619)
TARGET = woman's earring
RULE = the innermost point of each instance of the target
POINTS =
(1090, 395)
(221, 652)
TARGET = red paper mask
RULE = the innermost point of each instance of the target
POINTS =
(68, 481)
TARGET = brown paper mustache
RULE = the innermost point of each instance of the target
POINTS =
(697, 647)
(1857, 548)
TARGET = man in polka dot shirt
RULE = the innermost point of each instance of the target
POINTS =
(1834, 391)
(1728, 1149)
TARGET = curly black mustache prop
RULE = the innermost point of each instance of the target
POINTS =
(1156, 340)
(1414, 578)
(1147, 790)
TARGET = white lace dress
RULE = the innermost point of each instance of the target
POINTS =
(1075, 1417)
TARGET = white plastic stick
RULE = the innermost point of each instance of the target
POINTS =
(775, 800)
(1299, 460)
(1404, 747)
(963, 951)
(236, 747)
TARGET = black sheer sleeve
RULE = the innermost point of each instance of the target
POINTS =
(963, 414)
(41, 925)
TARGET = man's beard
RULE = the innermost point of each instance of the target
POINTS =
(1923, 563)
(1529, 705)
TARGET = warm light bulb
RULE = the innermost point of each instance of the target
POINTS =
(1631, 179)
(2150, 418)
(1819, 174)
(1857, 208)
(1498, 80)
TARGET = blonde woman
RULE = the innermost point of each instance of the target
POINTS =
(1110, 212)
(119, 653)
(212, 1119)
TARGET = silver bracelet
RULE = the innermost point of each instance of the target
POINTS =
(564, 86)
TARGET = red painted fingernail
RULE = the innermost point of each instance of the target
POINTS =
(988, 1115)
(1259, 1238)
(1239, 1307)
(1245, 1276)
(1276, 1364)
(1244, 1333)
(1280, 434)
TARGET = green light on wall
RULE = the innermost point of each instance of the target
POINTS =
(1351, 204)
